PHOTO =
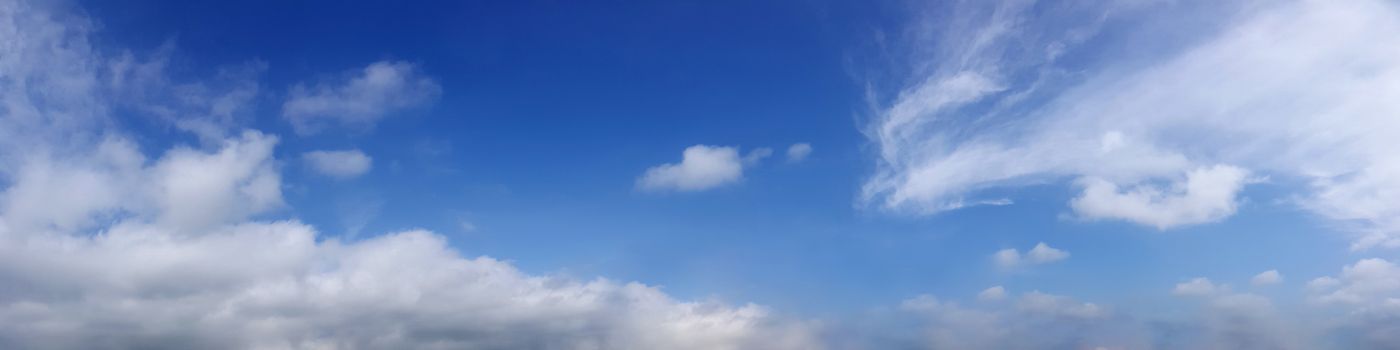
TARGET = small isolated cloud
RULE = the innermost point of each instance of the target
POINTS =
(1040, 254)
(701, 168)
(798, 152)
(359, 99)
(1205, 195)
(1008, 257)
(1266, 278)
(1199, 286)
(757, 155)
(339, 164)
(992, 294)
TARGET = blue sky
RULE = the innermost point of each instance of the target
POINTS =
(549, 174)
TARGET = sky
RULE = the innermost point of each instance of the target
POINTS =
(792, 174)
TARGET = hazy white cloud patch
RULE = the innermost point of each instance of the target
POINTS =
(1199, 286)
(1040, 254)
(798, 152)
(1267, 278)
(701, 168)
(1289, 89)
(994, 293)
(342, 164)
(359, 99)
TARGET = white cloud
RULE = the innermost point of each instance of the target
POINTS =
(798, 152)
(1323, 283)
(992, 294)
(1288, 89)
(1266, 278)
(340, 164)
(701, 168)
(1040, 254)
(1008, 257)
(1366, 282)
(1206, 195)
(1199, 286)
(361, 98)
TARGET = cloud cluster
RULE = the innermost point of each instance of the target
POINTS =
(1295, 91)
(1040, 254)
(701, 168)
(340, 164)
(104, 247)
(360, 98)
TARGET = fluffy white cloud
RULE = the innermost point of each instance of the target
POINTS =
(1294, 90)
(701, 168)
(1040, 254)
(1266, 278)
(341, 164)
(798, 152)
(1206, 195)
(361, 98)
(101, 247)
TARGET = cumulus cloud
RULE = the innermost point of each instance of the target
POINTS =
(1206, 195)
(1040, 254)
(340, 164)
(701, 168)
(359, 99)
(1266, 278)
(102, 246)
(1289, 90)
(798, 152)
